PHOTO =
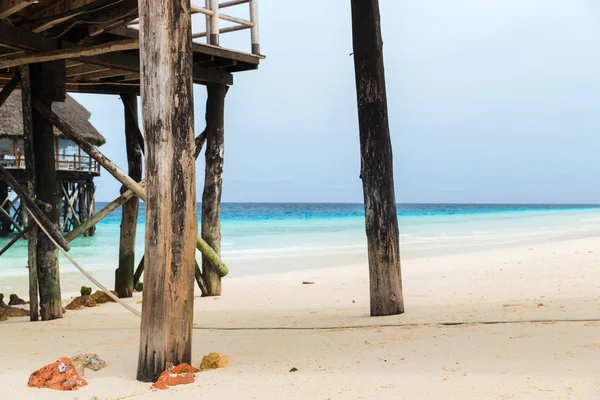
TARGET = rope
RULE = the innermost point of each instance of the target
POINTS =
(83, 271)
(398, 325)
(317, 328)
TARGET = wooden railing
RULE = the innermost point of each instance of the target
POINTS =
(212, 11)
(64, 162)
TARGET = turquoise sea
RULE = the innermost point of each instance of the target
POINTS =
(260, 238)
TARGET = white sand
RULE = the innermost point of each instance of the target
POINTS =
(503, 361)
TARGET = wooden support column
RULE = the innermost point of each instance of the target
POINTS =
(124, 273)
(377, 172)
(47, 85)
(29, 152)
(4, 221)
(213, 182)
(91, 207)
(82, 208)
(171, 220)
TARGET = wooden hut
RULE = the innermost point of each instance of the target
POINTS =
(75, 169)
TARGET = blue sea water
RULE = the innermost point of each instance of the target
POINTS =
(266, 237)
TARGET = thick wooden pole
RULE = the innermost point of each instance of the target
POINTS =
(47, 85)
(213, 183)
(124, 274)
(376, 161)
(171, 220)
(5, 228)
(28, 148)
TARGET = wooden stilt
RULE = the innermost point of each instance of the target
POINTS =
(4, 221)
(82, 203)
(91, 203)
(376, 161)
(47, 85)
(213, 183)
(28, 148)
(14, 240)
(171, 220)
(124, 273)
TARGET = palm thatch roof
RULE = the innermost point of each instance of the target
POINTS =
(11, 118)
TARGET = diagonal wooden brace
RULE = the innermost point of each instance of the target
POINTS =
(33, 207)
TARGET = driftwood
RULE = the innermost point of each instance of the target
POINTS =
(376, 161)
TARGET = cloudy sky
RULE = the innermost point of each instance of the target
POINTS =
(489, 101)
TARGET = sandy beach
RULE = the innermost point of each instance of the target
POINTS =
(269, 324)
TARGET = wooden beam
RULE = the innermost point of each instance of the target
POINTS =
(29, 152)
(10, 219)
(131, 121)
(33, 207)
(15, 240)
(84, 69)
(72, 52)
(10, 7)
(9, 88)
(171, 220)
(69, 132)
(377, 167)
(60, 11)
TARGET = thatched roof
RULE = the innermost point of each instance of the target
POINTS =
(11, 118)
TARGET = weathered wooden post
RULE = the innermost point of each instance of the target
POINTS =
(47, 85)
(5, 228)
(171, 221)
(213, 182)
(28, 148)
(376, 161)
(124, 274)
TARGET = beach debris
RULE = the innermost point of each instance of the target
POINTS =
(60, 375)
(213, 361)
(294, 369)
(540, 304)
(139, 286)
(100, 297)
(173, 376)
(14, 300)
(8, 311)
(91, 361)
(90, 300)
(85, 290)
(308, 283)
(81, 302)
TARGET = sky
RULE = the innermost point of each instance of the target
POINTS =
(490, 101)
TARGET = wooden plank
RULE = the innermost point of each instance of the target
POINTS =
(10, 7)
(72, 52)
(29, 152)
(84, 69)
(377, 169)
(171, 220)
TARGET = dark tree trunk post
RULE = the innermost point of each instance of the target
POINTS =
(3, 220)
(91, 200)
(124, 274)
(213, 182)
(171, 220)
(376, 161)
(82, 203)
(28, 149)
(47, 85)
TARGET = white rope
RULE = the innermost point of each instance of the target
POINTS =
(83, 271)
